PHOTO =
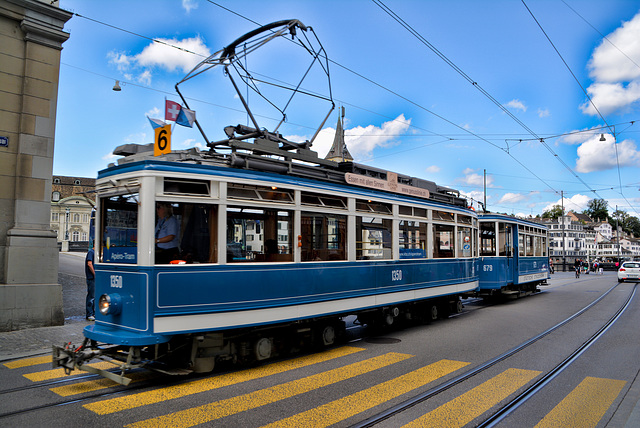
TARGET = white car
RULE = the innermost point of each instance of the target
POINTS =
(629, 271)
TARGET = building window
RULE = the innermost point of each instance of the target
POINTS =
(55, 216)
(84, 236)
(76, 218)
(75, 236)
(56, 181)
(55, 196)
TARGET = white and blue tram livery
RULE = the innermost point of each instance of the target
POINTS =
(514, 257)
(275, 245)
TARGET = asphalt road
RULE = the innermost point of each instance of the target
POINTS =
(343, 386)
(74, 286)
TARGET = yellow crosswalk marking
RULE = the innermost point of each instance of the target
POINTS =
(26, 362)
(96, 385)
(351, 405)
(145, 398)
(585, 405)
(231, 406)
(58, 373)
(465, 408)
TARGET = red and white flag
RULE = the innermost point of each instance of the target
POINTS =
(171, 110)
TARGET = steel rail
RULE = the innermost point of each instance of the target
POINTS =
(401, 407)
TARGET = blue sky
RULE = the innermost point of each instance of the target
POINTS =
(408, 110)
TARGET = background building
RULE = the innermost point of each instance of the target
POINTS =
(72, 200)
(31, 36)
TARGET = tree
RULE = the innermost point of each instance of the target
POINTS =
(634, 226)
(597, 210)
(553, 213)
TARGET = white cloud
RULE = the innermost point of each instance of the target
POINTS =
(154, 112)
(188, 5)
(596, 155)
(512, 198)
(616, 77)
(360, 141)
(543, 113)
(577, 203)
(471, 178)
(433, 169)
(160, 55)
(517, 104)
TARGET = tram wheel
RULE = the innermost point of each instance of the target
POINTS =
(328, 335)
(263, 348)
(457, 306)
(433, 312)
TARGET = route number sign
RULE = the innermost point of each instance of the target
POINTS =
(162, 141)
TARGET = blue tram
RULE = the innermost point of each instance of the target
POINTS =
(514, 257)
(265, 256)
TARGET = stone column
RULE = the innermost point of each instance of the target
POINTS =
(31, 37)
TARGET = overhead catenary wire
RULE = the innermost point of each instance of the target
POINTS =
(478, 136)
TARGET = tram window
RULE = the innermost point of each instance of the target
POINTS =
(195, 240)
(441, 215)
(323, 237)
(261, 193)
(504, 240)
(405, 210)
(521, 245)
(544, 246)
(529, 244)
(270, 230)
(119, 229)
(373, 238)
(412, 237)
(464, 219)
(487, 239)
(373, 207)
(465, 241)
(186, 187)
(443, 241)
(537, 246)
(323, 200)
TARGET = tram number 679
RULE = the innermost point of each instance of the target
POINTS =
(396, 275)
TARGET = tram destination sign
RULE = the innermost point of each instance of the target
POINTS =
(390, 184)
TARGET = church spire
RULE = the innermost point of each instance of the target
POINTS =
(339, 152)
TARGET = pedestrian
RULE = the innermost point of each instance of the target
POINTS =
(90, 274)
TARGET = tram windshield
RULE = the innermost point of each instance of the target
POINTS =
(119, 229)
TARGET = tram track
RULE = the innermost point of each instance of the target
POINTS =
(513, 404)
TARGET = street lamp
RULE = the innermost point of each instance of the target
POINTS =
(66, 225)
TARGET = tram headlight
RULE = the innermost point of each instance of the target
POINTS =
(110, 304)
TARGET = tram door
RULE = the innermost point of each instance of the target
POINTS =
(505, 237)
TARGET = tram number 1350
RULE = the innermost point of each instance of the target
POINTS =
(396, 275)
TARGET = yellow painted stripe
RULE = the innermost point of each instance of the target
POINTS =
(150, 397)
(465, 408)
(59, 373)
(220, 409)
(585, 405)
(351, 405)
(96, 385)
(26, 362)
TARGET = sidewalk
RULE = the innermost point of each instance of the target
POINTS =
(38, 341)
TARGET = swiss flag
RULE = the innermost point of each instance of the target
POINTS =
(171, 110)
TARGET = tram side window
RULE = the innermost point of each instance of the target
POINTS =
(259, 235)
(520, 244)
(323, 237)
(544, 246)
(373, 238)
(504, 240)
(412, 237)
(194, 230)
(537, 245)
(487, 239)
(465, 241)
(443, 241)
(119, 229)
(529, 244)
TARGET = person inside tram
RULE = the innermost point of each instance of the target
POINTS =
(167, 230)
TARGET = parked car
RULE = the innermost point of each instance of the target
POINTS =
(629, 271)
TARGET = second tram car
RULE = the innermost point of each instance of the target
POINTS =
(514, 257)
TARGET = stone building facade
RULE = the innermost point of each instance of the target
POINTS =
(31, 37)
(72, 200)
